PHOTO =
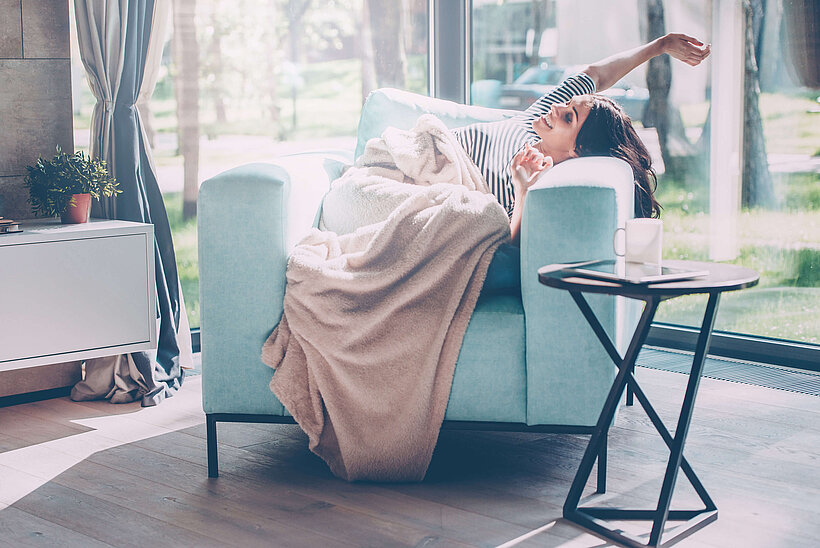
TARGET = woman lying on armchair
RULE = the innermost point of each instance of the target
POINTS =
(568, 122)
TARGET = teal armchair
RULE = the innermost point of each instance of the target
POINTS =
(528, 360)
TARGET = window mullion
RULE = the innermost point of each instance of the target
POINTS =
(450, 63)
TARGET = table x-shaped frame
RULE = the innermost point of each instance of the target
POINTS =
(595, 518)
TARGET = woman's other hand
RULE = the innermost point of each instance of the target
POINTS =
(685, 48)
(527, 164)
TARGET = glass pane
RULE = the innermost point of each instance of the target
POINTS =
(772, 223)
(249, 80)
(775, 226)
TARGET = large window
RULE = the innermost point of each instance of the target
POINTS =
(763, 213)
(250, 80)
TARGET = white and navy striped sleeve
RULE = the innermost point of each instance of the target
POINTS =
(492, 145)
(579, 84)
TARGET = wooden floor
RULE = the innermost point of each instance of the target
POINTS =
(96, 474)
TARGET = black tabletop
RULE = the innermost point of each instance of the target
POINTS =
(721, 277)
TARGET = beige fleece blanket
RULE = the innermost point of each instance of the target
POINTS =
(373, 320)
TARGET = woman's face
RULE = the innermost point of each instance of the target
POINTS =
(559, 129)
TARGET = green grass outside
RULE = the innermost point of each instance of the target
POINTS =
(185, 246)
(791, 123)
(783, 245)
(751, 311)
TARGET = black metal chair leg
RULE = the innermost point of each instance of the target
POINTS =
(602, 467)
(213, 463)
(630, 394)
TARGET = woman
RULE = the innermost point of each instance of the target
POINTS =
(569, 122)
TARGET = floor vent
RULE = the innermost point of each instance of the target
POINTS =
(770, 376)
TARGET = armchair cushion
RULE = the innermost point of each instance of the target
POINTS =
(504, 274)
(489, 383)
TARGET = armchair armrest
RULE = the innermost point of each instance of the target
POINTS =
(570, 215)
(248, 219)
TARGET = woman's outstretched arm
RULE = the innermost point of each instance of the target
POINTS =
(607, 71)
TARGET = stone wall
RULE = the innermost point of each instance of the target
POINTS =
(35, 117)
(35, 93)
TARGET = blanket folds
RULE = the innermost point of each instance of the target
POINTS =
(373, 320)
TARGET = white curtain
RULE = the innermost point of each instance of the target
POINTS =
(101, 37)
(121, 44)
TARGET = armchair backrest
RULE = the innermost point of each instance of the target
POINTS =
(401, 109)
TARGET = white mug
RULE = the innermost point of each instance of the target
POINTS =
(643, 241)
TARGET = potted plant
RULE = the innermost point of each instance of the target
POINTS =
(65, 184)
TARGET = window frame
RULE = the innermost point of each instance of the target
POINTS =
(450, 66)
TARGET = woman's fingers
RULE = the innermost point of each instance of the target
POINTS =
(529, 152)
(526, 156)
(701, 52)
(518, 159)
(545, 165)
(528, 163)
(533, 154)
(686, 48)
(531, 160)
(686, 41)
(688, 38)
(548, 161)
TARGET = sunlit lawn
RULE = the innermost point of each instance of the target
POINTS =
(185, 247)
(791, 123)
(783, 247)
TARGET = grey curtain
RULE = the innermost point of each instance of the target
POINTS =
(120, 46)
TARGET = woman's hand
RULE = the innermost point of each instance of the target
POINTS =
(685, 48)
(527, 164)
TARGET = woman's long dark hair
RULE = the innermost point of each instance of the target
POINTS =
(608, 131)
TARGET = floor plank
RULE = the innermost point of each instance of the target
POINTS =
(96, 474)
(101, 520)
(226, 523)
(18, 528)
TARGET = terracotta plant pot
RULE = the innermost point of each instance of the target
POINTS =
(79, 212)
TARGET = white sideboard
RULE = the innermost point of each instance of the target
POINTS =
(73, 292)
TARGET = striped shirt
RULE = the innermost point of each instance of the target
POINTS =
(492, 145)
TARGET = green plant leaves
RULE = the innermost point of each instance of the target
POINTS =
(51, 183)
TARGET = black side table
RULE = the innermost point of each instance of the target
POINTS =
(721, 277)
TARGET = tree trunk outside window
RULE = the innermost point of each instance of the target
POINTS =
(186, 59)
(216, 68)
(386, 29)
(366, 43)
(757, 189)
(677, 152)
